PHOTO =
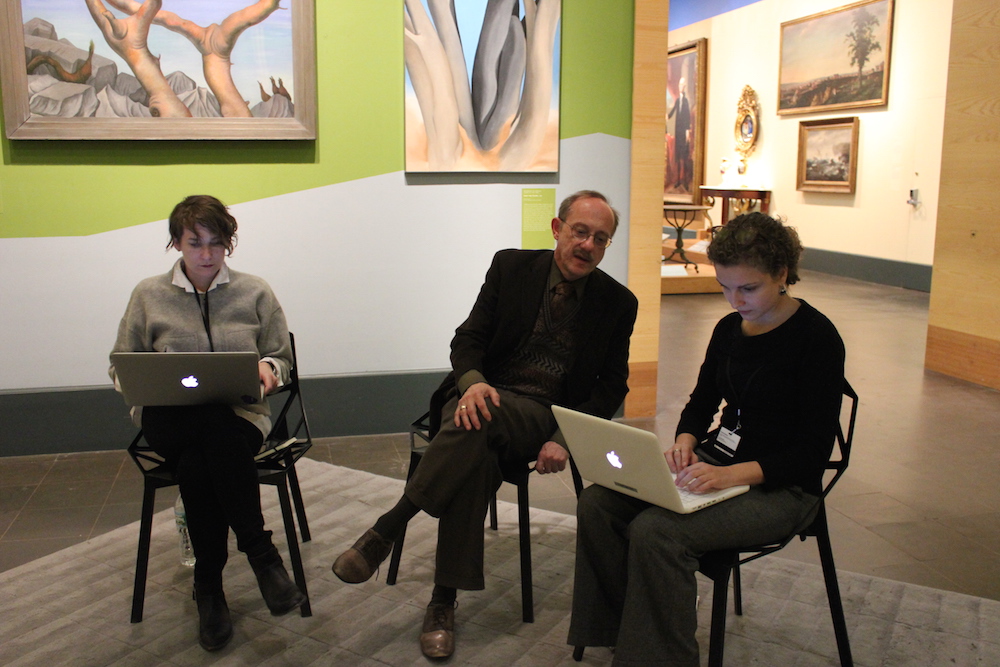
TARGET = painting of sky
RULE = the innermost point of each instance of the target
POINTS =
(263, 51)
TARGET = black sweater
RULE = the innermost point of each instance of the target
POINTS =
(783, 388)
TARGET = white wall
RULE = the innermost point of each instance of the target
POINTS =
(374, 275)
(899, 145)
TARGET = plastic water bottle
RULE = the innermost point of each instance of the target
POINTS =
(187, 552)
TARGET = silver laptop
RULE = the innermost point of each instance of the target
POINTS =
(188, 378)
(630, 461)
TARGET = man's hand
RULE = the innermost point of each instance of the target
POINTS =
(474, 405)
(267, 377)
(552, 458)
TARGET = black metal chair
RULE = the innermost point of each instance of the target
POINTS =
(513, 474)
(283, 446)
(718, 565)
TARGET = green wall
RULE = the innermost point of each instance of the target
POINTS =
(72, 188)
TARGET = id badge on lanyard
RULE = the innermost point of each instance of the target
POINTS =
(728, 441)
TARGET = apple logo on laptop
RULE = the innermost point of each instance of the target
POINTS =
(190, 382)
(613, 459)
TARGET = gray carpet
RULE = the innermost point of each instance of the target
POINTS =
(72, 608)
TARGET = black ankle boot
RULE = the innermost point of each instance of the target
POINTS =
(215, 627)
(280, 593)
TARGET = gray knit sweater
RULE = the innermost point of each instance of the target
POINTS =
(163, 315)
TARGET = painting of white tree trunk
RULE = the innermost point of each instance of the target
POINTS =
(482, 85)
(135, 60)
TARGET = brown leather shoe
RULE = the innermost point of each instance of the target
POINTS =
(438, 637)
(359, 563)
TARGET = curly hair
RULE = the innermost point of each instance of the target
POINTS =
(206, 211)
(760, 241)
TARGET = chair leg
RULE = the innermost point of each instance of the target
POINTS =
(300, 508)
(397, 553)
(833, 593)
(142, 554)
(717, 638)
(397, 547)
(293, 544)
(493, 513)
(737, 590)
(578, 653)
(524, 531)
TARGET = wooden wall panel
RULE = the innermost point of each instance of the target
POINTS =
(964, 321)
(649, 85)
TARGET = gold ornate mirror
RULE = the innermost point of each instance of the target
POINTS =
(747, 125)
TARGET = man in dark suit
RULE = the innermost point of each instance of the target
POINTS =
(547, 327)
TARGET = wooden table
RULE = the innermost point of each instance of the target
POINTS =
(742, 199)
(679, 216)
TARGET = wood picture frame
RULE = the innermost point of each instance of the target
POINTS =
(684, 171)
(837, 59)
(297, 116)
(828, 155)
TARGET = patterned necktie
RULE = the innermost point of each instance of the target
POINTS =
(562, 300)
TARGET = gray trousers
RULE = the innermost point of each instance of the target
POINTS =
(635, 585)
(459, 473)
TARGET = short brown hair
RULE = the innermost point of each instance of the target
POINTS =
(567, 204)
(206, 211)
(760, 241)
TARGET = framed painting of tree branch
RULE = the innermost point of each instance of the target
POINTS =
(828, 155)
(684, 135)
(482, 85)
(838, 59)
(130, 69)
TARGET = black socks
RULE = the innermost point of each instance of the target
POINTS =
(443, 595)
(391, 524)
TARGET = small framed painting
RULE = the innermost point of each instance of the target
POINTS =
(828, 155)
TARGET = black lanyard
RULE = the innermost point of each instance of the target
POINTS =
(205, 319)
(739, 394)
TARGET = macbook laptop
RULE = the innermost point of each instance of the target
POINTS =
(630, 461)
(188, 378)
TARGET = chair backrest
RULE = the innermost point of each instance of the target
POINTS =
(280, 429)
(845, 440)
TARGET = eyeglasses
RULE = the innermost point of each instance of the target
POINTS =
(581, 233)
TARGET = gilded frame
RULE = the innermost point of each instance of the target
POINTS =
(828, 155)
(689, 62)
(819, 54)
(20, 123)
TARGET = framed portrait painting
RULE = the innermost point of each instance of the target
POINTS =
(838, 59)
(482, 85)
(828, 155)
(187, 69)
(684, 136)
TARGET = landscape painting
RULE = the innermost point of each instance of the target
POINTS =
(482, 85)
(828, 155)
(837, 59)
(125, 64)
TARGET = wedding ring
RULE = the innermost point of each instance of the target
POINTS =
(462, 407)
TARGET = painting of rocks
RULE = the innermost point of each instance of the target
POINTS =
(158, 58)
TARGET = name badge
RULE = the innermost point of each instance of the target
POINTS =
(727, 441)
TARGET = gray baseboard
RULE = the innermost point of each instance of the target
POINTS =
(871, 269)
(85, 420)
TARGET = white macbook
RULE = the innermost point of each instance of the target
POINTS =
(188, 378)
(630, 461)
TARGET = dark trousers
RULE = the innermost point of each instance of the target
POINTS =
(635, 585)
(211, 449)
(460, 472)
